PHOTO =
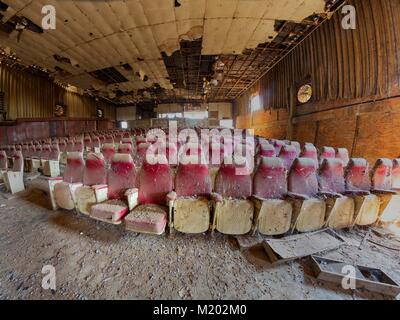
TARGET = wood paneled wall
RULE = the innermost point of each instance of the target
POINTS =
(32, 129)
(356, 80)
(32, 96)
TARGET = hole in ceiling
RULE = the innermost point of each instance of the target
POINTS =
(127, 67)
(177, 4)
(140, 59)
(61, 59)
(108, 75)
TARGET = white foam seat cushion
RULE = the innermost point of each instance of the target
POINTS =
(147, 218)
(110, 211)
(308, 215)
(63, 197)
(85, 199)
(366, 209)
(339, 212)
(234, 216)
(390, 208)
(191, 215)
(273, 216)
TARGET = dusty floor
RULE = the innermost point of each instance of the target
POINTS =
(94, 260)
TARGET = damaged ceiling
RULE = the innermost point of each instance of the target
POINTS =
(158, 50)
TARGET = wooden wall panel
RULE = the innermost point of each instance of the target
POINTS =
(336, 133)
(32, 96)
(356, 80)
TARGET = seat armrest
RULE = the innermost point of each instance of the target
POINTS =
(171, 197)
(132, 197)
(326, 194)
(383, 192)
(101, 192)
(216, 197)
(357, 193)
(254, 197)
(297, 196)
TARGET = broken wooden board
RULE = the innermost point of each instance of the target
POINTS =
(371, 279)
(301, 245)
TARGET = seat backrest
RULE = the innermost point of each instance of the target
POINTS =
(121, 176)
(381, 174)
(343, 154)
(396, 174)
(70, 146)
(288, 154)
(46, 150)
(87, 141)
(303, 177)
(108, 151)
(95, 170)
(331, 176)
(127, 140)
(3, 160)
(267, 150)
(310, 151)
(109, 139)
(125, 148)
(141, 153)
(357, 175)
(95, 142)
(38, 151)
(74, 169)
(327, 153)
(78, 146)
(62, 145)
(297, 145)
(18, 162)
(155, 181)
(231, 182)
(278, 144)
(192, 180)
(269, 181)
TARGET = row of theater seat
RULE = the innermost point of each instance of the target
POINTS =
(300, 196)
(291, 189)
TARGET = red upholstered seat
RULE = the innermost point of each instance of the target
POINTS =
(303, 177)
(327, 153)
(396, 174)
(108, 151)
(269, 181)
(232, 183)
(381, 176)
(95, 170)
(3, 160)
(18, 162)
(78, 146)
(121, 176)
(46, 150)
(278, 144)
(155, 181)
(309, 151)
(125, 148)
(331, 176)
(73, 172)
(288, 154)
(267, 150)
(193, 180)
(343, 154)
(297, 145)
(357, 175)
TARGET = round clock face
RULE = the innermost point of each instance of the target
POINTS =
(59, 111)
(305, 93)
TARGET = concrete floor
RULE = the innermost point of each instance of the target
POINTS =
(94, 260)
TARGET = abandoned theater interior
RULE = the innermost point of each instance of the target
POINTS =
(200, 149)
